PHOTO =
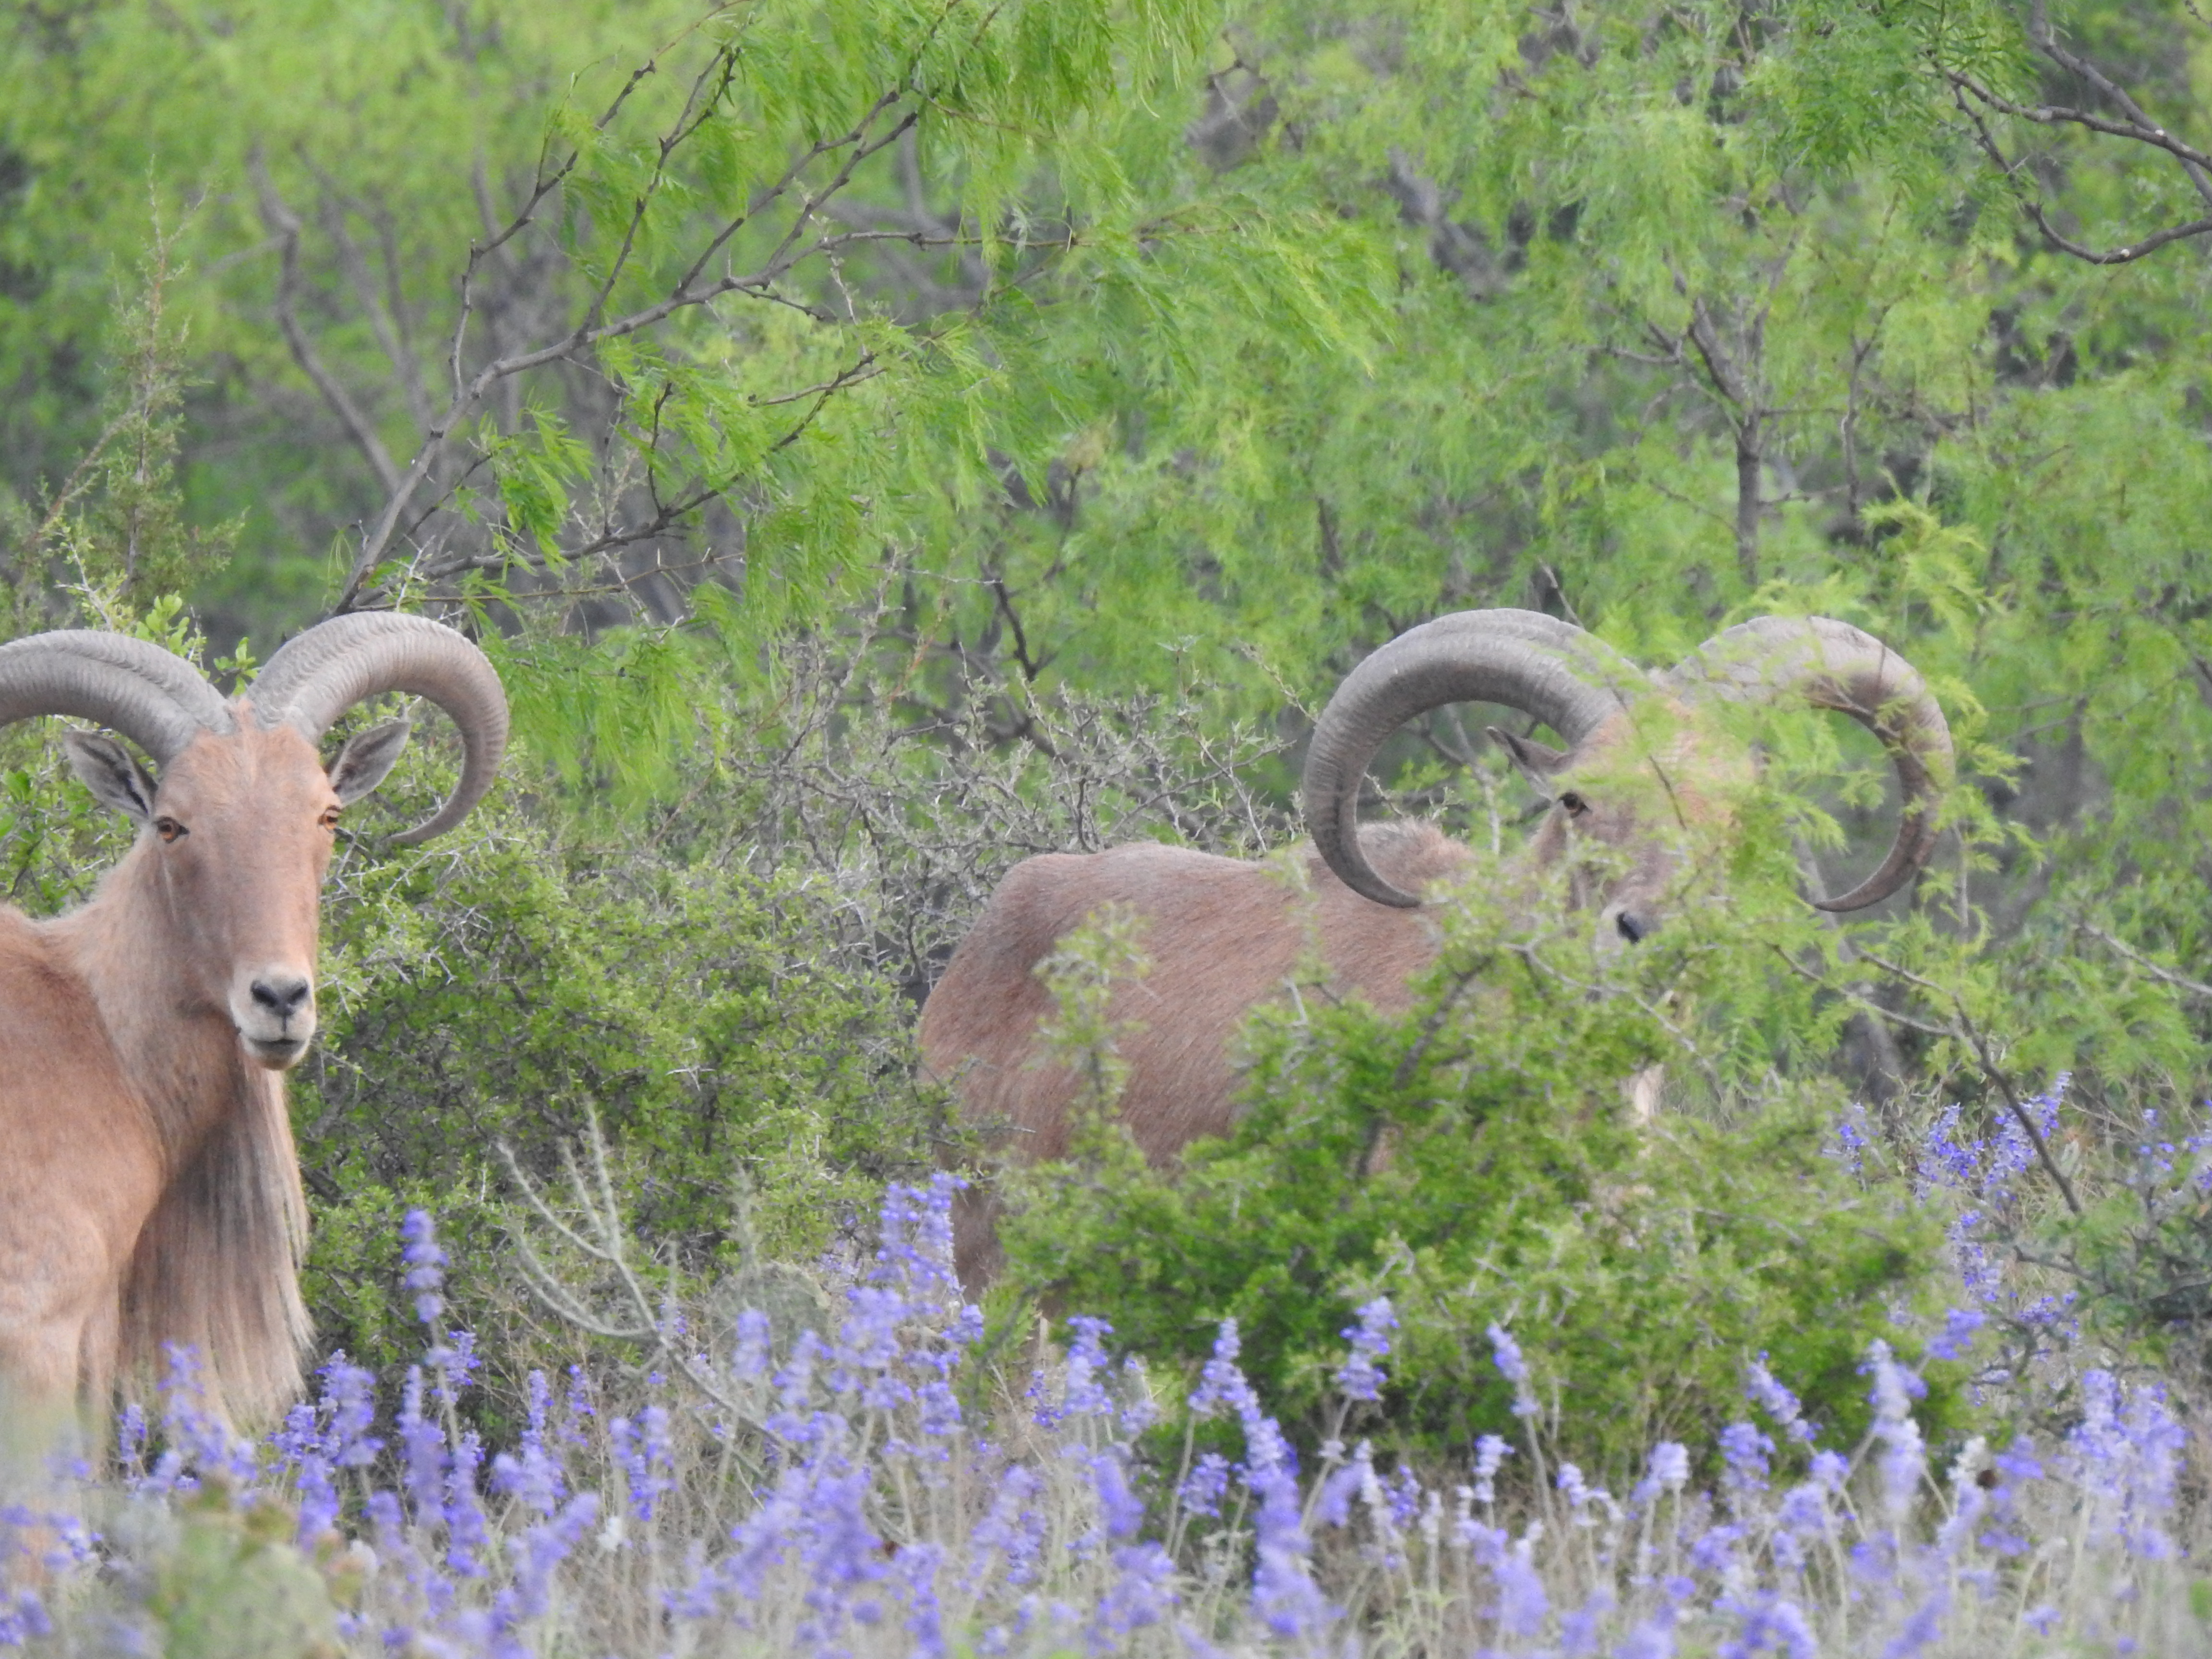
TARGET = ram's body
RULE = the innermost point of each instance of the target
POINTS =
(1646, 771)
(150, 1194)
(1221, 935)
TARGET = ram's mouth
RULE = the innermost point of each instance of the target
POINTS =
(278, 1054)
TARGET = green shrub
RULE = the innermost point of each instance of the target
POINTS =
(495, 989)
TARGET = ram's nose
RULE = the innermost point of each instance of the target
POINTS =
(283, 996)
(275, 1015)
(1632, 922)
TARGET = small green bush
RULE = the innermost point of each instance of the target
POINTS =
(496, 989)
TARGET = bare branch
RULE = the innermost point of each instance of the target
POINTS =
(2137, 127)
(284, 225)
(386, 311)
(1966, 1030)
(594, 1196)
(789, 251)
(2155, 969)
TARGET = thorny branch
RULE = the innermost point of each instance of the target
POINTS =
(284, 225)
(605, 1239)
(687, 294)
(2156, 970)
(804, 237)
(1972, 97)
(1963, 1030)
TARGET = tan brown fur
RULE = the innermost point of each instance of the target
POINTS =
(149, 1190)
(1221, 935)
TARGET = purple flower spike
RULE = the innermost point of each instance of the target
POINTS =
(1767, 1623)
(1087, 1394)
(1490, 1451)
(1668, 1470)
(1745, 1451)
(1360, 1377)
(1763, 1390)
(1513, 1368)
(1203, 1488)
(1958, 1334)
(426, 1265)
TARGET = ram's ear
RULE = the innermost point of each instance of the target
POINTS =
(1538, 761)
(367, 759)
(112, 773)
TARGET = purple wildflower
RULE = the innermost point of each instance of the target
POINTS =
(1141, 1594)
(1904, 1458)
(1957, 1335)
(1849, 1149)
(1360, 1376)
(2124, 1454)
(1490, 1451)
(1745, 1451)
(532, 1474)
(1766, 1623)
(1013, 1531)
(1220, 1384)
(1652, 1639)
(1120, 1509)
(1922, 1626)
(1765, 1391)
(1085, 1393)
(541, 1549)
(467, 1533)
(645, 1454)
(1522, 1606)
(426, 1265)
(1513, 1368)
(914, 1579)
(1203, 1487)
(749, 1360)
(1668, 1470)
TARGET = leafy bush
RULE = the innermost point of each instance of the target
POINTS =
(1478, 1160)
(495, 992)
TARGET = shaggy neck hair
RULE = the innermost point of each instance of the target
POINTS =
(216, 1266)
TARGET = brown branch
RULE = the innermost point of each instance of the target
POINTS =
(2137, 128)
(760, 283)
(386, 318)
(2156, 970)
(1967, 1031)
(284, 225)
(2119, 256)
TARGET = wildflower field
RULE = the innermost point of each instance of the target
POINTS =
(837, 1495)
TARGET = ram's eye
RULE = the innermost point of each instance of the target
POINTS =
(329, 818)
(169, 830)
(1575, 804)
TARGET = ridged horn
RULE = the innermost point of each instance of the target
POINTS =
(1833, 665)
(323, 672)
(1567, 679)
(151, 696)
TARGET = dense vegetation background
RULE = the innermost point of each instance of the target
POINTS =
(879, 441)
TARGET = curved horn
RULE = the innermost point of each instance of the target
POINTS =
(1833, 665)
(1568, 679)
(323, 672)
(151, 696)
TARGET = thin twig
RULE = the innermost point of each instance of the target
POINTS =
(284, 225)
(2179, 982)
(1971, 1034)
